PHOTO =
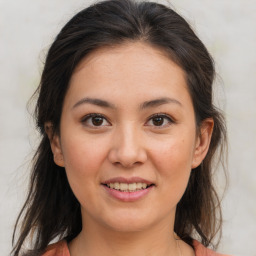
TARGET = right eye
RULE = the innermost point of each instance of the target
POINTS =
(95, 120)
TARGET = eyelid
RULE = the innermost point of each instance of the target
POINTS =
(164, 115)
(91, 115)
(88, 116)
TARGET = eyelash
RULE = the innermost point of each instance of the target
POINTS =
(161, 115)
(164, 116)
(90, 116)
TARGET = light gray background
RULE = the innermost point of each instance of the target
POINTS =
(227, 27)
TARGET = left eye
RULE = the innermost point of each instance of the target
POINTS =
(95, 120)
(159, 120)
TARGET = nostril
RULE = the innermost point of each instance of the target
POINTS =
(127, 165)
(127, 155)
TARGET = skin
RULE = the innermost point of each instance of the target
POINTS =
(128, 142)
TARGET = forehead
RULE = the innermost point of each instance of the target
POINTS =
(128, 69)
(123, 48)
(132, 51)
(133, 57)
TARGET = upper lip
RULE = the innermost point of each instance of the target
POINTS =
(127, 180)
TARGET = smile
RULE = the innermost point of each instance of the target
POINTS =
(128, 187)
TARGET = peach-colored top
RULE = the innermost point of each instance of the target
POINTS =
(61, 249)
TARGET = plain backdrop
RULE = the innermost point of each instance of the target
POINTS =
(227, 27)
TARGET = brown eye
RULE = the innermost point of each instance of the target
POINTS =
(95, 120)
(158, 121)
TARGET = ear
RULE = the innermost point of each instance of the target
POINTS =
(202, 142)
(55, 144)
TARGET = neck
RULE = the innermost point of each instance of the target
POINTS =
(97, 240)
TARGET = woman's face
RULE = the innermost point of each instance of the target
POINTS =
(128, 137)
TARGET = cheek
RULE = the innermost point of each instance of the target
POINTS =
(173, 153)
(173, 161)
(83, 157)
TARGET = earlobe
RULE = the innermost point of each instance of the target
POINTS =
(55, 144)
(203, 142)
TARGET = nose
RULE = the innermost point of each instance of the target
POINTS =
(128, 148)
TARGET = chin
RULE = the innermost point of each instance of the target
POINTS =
(128, 227)
(133, 222)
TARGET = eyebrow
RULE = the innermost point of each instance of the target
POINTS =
(94, 101)
(146, 104)
(158, 102)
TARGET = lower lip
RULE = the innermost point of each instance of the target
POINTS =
(128, 196)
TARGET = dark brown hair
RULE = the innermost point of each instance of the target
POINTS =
(51, 210)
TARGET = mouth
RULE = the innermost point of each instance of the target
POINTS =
(132, 184)
(128, 187)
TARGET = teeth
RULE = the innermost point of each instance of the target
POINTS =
(116, 185)
(132, 187)
(127, 187)
(144, 185)
(123, 186)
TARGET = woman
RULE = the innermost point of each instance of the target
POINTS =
(129, 132)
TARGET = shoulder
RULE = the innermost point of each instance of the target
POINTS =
(58, 249)
(200, 250)
(61, 249)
